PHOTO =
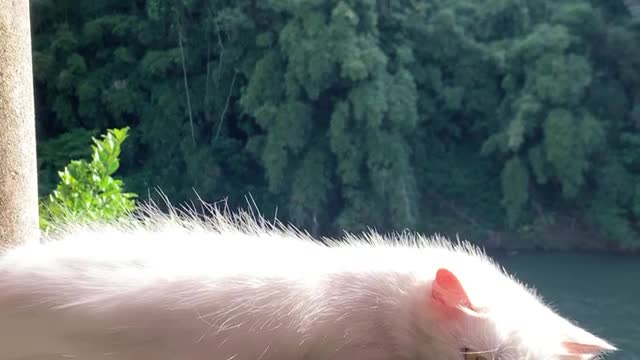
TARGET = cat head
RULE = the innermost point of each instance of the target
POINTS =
(505, 321)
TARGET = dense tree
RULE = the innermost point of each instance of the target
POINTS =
(515, 116)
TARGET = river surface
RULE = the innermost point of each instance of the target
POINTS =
(601, 292)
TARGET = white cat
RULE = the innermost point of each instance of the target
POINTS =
(236, 288)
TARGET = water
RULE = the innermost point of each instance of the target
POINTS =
(601, 292)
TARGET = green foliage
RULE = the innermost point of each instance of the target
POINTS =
(515, 184)
(87, 191)
(55, 153)
(434, 115)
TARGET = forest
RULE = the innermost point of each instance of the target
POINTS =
(514, 123)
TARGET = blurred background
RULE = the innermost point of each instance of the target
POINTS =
(512, 123)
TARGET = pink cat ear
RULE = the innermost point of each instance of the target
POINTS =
(579, 341)
(447, 290)
(576, 348)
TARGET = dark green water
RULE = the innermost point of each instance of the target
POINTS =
(602, 293)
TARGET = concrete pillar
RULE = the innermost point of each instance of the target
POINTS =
(18, 167)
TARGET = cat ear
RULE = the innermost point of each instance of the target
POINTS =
(582, 342)
(577, 348)
(448, 292)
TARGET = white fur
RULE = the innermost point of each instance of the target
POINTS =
(172, 287)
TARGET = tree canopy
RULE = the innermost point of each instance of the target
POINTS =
(485, 118)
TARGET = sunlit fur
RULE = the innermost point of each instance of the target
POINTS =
(234, 286)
